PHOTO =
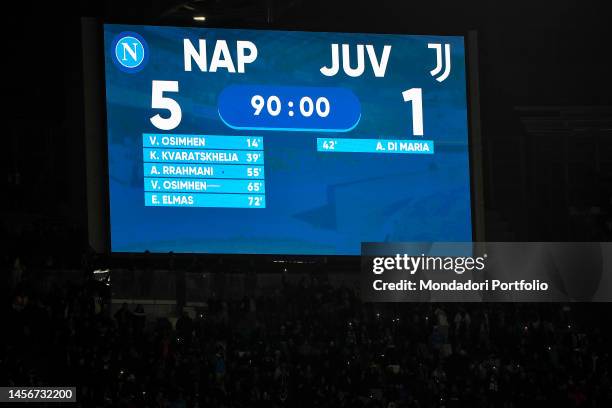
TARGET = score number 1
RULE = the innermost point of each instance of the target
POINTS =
(415, 95)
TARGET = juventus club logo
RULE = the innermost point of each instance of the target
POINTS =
(439, 64)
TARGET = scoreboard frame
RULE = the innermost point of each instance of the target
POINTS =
(96, 146)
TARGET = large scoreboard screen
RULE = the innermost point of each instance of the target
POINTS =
(284, 142)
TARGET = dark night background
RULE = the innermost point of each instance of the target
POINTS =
(546, 113)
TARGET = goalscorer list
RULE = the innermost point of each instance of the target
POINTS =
(203, 171)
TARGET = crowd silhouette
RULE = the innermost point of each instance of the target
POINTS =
(307, 344)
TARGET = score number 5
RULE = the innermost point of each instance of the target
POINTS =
(159, 101)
